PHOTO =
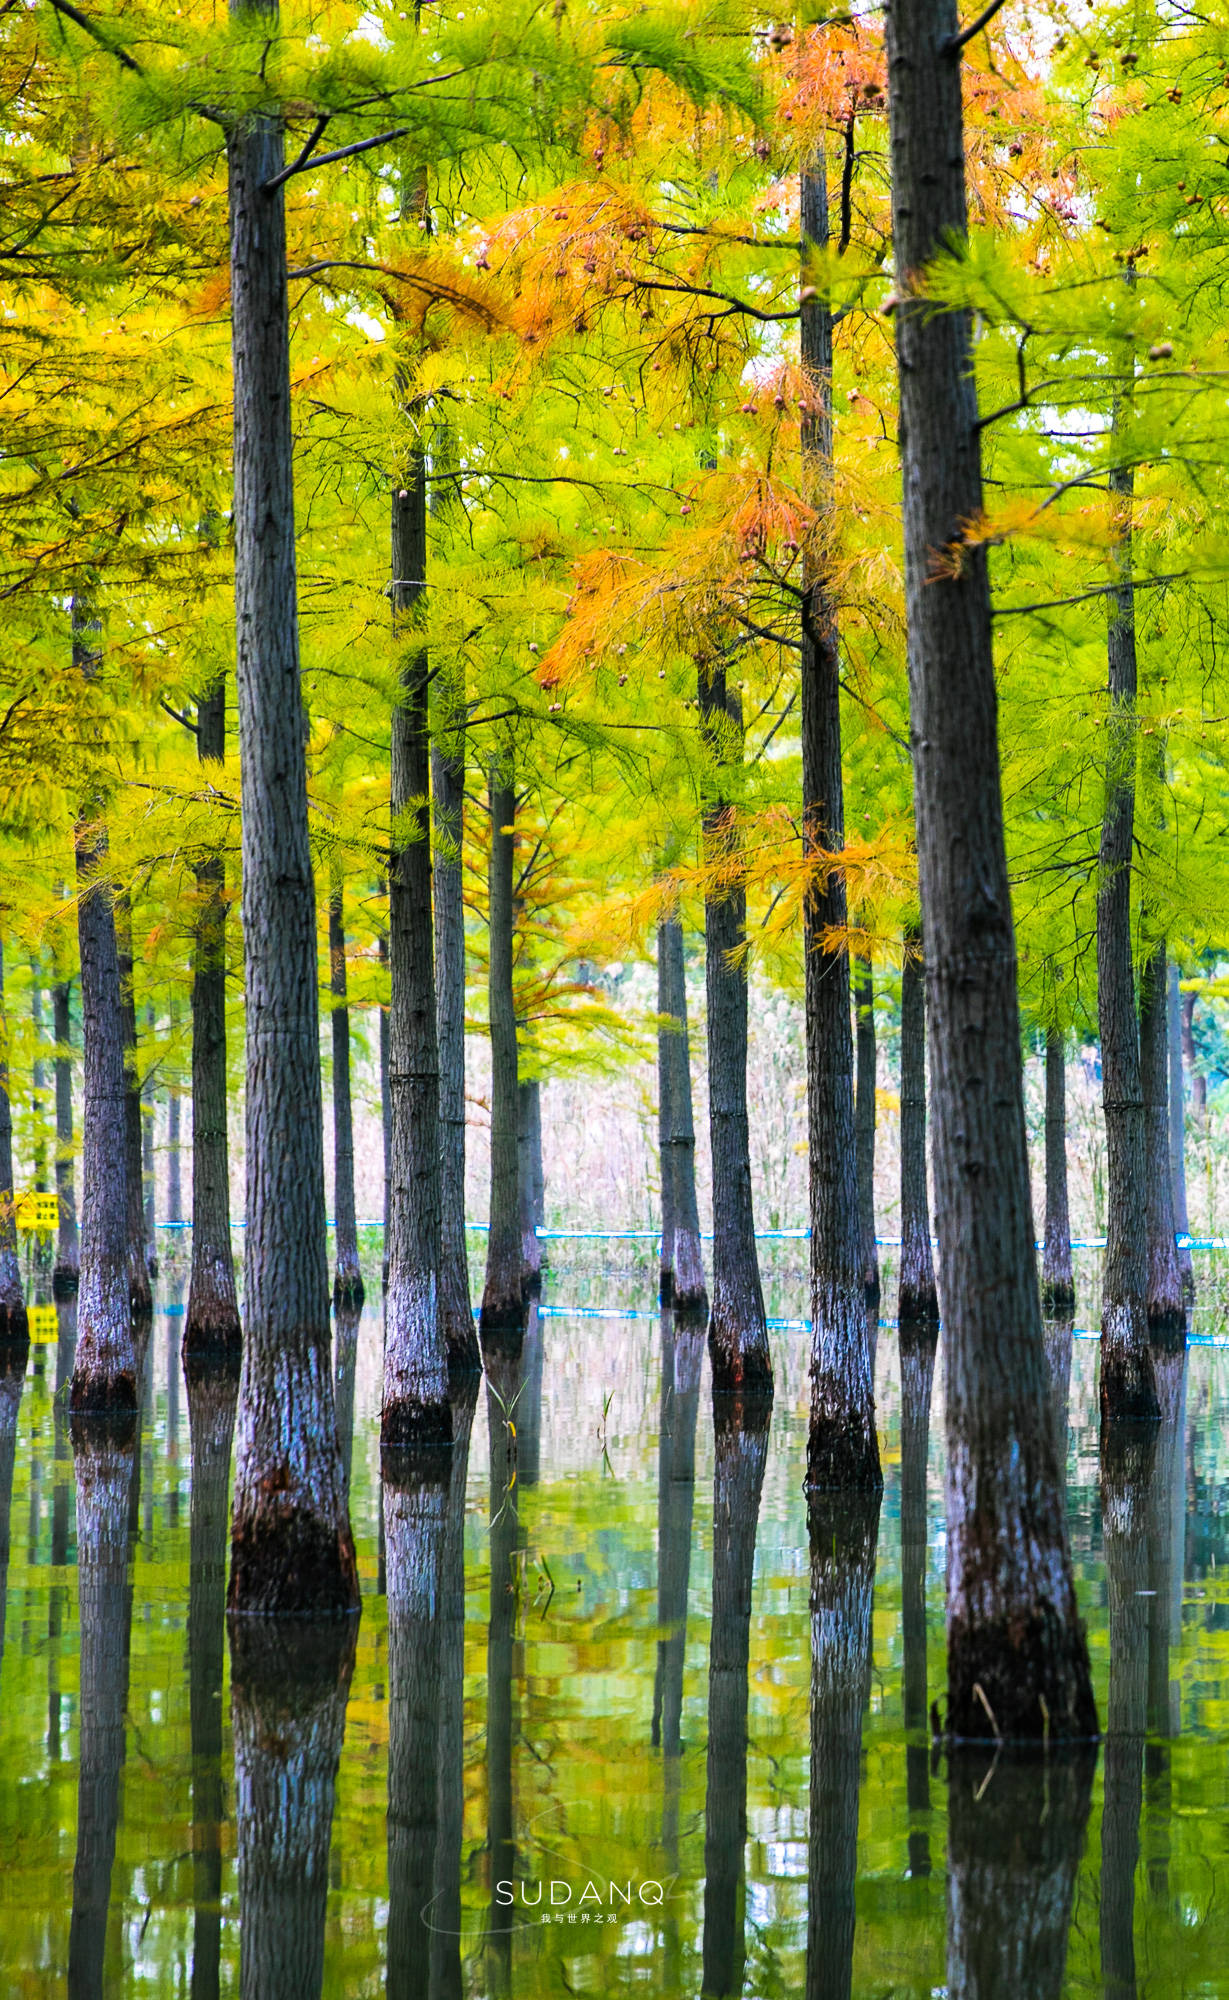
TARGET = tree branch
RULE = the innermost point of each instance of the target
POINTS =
(303, 164)
(954, 43)
(95, 34)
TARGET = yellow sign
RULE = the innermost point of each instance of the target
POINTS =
(44, 1325)
(40, 1212)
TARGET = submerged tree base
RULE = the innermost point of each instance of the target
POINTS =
(917, 1305)
(213, 1336)
(14, 1324)
(842, 1451)
(109, 1397)
(1128, 1388)
(94, 1432)
(65, 1281)
(501, 1325)
(1019, 1677)
(348, 1290)
(1167, 1330)
(461, 1345)
(1057, 1297)
(287, 1563)
(739, 1356)
(410, 1425)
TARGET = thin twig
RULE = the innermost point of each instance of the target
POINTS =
(304, 165)
(954, 43)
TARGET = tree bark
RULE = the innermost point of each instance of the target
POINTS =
(106, 1454)
(386, 1110)
(682, 1354)
(14, 1326)
(682, 1259)
(1177, 1135)
(174, 1183)
(505, 1376)
(104, 1372)
(1015, 1837)
(529, 1179)
(347, 1276)
(415, 1527)
(1057, 1284)
(292, 1551)
(917, 1297)
(1013, 1626)
(42, 1249)
(842, 1447)
(1166, 1308)
(415, 1409)
(737, 1329)
(456, 1310)
(289, 1684)
(503, 1301)
(213, 1390)
(67, 1273)
(741, 1425)
(917, 1373)
(140, 1293)
(211, 1326)
(844, 1531)
(864, 1121)
(1128, 1393)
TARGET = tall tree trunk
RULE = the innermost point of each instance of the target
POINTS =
(347, 1277)
(682, 1354)
(415, 1527)
(917, 1374)
(212, 1322)
(107, 1458)
(213, 1390)
(842, 1448)
(741, 1427)
(529, 1179)
(1177, 1134)
(682, 1260)
(1166, 1309)
(1128, 1393)
(38, 1111)
(67, 1273)
(1015, 1836)
(737, 1329)
(864, 1121)
(1013, 1627)
(104, 1371)
(149, 1197)
(1199, 1082)
(1128, 1463)
(386, 1110)
(140, 1293)
(14, 1326)
(917, 1298)
(456, 1311)
(289, 1684)
(415, 1408)
(844, 1531)
(503, 1302)
(1057, 1285)
(174, 1182)
(345, 1370)
(292, 1551)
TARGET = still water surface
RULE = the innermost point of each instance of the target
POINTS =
(598, 1675)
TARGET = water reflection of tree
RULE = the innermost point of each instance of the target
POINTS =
(740, 1426)
(1142, 1530)
(14, 1354)
(1166, 1552)
(424, 1524)
(107, 1464)
(514, 1387)
(1016, 1823)
(213, 1388)
(917, 1373)
(682, 1358)
(844, 1530)
(289, 1685)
